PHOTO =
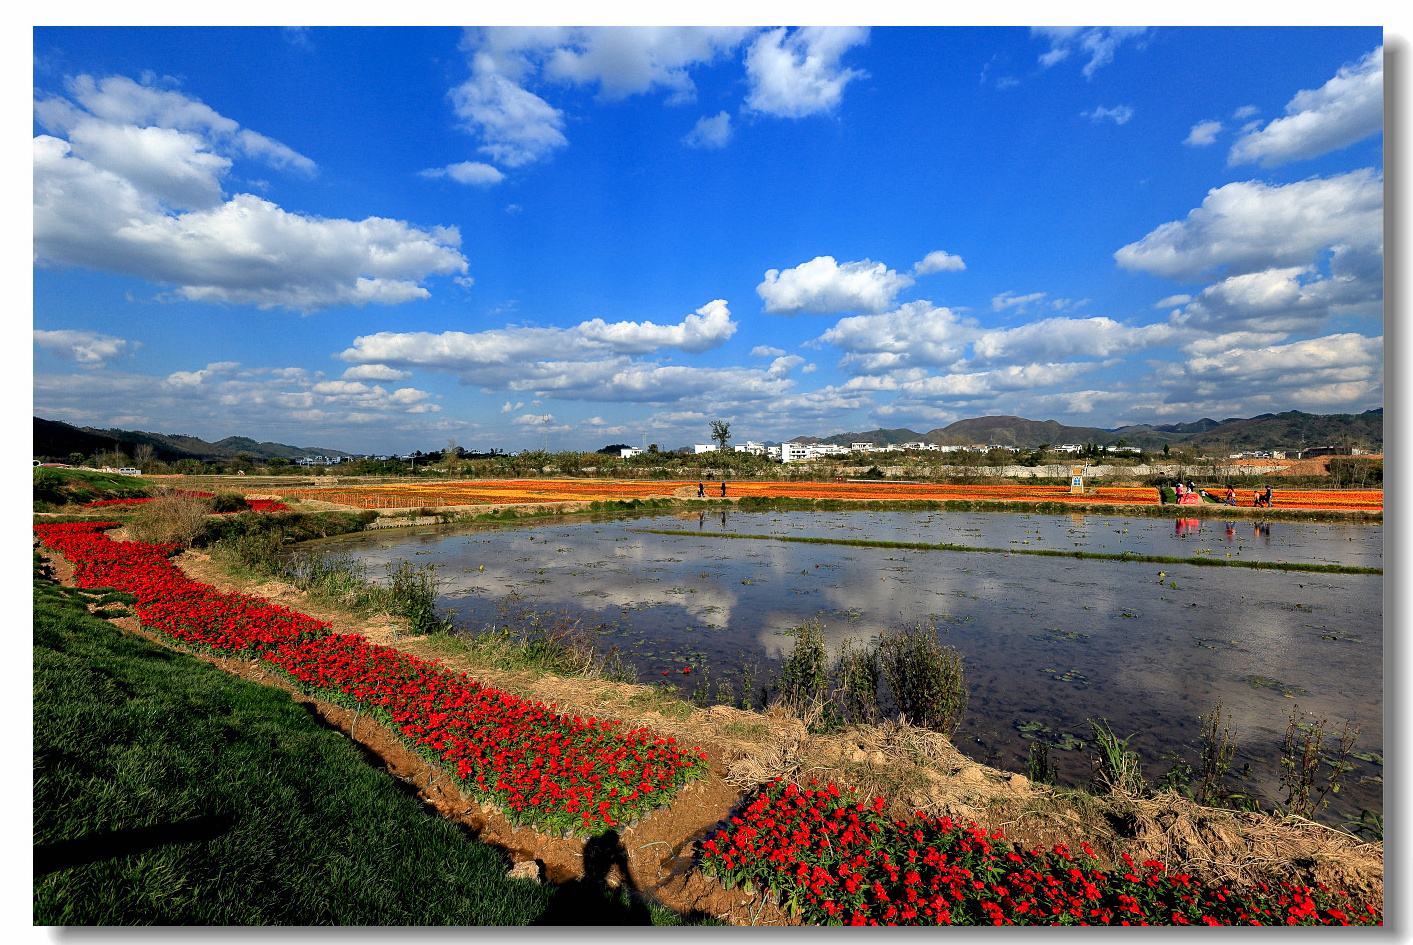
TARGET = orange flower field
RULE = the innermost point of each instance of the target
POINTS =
(517, 491)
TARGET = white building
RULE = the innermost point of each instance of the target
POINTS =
(628, 452)
(752, 447)
(699, 448)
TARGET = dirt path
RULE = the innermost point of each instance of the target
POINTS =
(920, 770)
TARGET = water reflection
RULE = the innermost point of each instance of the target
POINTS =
(1048, 642)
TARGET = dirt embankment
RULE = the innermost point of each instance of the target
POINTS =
(919, 770)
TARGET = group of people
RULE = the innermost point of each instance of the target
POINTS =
(1189, 494)
(701, 489)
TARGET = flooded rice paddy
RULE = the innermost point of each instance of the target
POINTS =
(1048, 642)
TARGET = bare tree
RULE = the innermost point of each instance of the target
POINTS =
(451, 454)
(721, 433)
(143, 456)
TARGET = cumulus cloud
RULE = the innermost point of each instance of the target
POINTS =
(1347, 108)
(938, 261)
(634, 60)
(287, 403)
(1334, 372)
(795, 73)
(1182, 298)
(516, 126)
(1118, 114)
(766, 351)
(146, 200)
(593, 360)
(918, 336)
(472, 173)
(710, 132)
(375, 372)
(1248, 226)
(1202, 134)
(88, 348)
(823, 285)
(1098, 43)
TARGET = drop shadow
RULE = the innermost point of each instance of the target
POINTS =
(110, 844)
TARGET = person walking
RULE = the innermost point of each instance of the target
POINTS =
(723, 488)
(701, 489)
(1268, 497)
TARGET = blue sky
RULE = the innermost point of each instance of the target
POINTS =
(380, 239)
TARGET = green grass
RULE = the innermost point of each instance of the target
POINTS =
(168, 792)
(54, 487)
(1038, 552)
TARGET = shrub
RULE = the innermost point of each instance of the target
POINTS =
(1116, 768)
(229, 502)
(1214, 758)
(1303, 755)
(413, 594)
(856, 670)
(172, 519)
(804, 678)
(925, 677)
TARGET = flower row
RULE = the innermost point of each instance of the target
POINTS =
(830, 858)
(553, 771)
(167, 600)
(557, 772)
(254, 505)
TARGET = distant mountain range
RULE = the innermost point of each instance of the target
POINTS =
(56, 440)
(1290, 430)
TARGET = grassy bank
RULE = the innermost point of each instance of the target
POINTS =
(168, 792)
(1037, 552)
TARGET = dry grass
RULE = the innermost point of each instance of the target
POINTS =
(170, 519)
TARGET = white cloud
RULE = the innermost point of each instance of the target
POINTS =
(222, 398)
(710, 132)
(1228, 341)
(766, 351)
(1118, 114)
(1245, 111)
(472, 173)
(1249, 226)
(938, 261)
(509, 407)
(375, 372)
(915, 333)
(590, 360)
(1096, 42)
(146, 200)
(533, 419)
(624, 61)
(794, 73)
(1009, 299)
(1202, 134)
(516, 126)
(1054, 338)
(1346, 109)
(823, 285)
(1341, 371)
(88, 348)
(1169, 301)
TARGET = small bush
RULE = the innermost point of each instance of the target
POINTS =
(229, 502)
(1038, 766)
(804, 678)
(856, 670)
(412, 593)
(1215, 755)
(1116, 768)
(1304, 754)
(172, 519)
(926, 678)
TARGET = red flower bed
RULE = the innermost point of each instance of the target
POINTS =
(543, 768)
(167, 600)
(552, 771)
(266, 505)
(100, 503)
(256, 505)
(832, 859)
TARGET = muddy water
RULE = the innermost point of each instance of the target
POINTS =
(1048, 642)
